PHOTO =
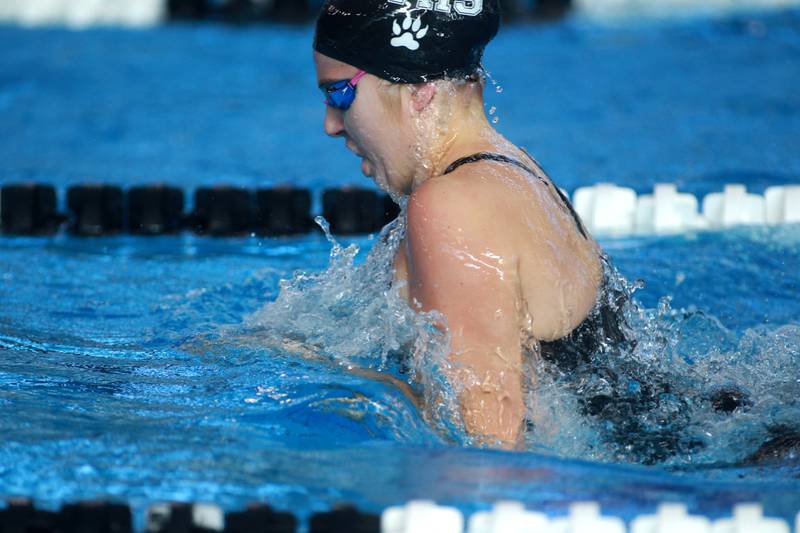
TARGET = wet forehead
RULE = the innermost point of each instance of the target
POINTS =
(329, 69)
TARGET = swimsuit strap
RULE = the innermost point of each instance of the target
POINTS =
(484, 156)
(489, 156)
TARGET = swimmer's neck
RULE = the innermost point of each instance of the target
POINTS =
(465, 134)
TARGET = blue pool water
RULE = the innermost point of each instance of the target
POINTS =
(145, 369)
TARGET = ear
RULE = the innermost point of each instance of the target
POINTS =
(422, 95)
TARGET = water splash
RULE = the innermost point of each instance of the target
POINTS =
(685, 391)
(498, 89)
(354, 316)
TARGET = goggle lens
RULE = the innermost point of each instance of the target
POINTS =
(341, 94)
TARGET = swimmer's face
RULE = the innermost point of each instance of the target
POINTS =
(372, 127)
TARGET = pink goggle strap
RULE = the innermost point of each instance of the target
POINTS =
(357, 78)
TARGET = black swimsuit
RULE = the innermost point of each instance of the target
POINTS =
(604, 325)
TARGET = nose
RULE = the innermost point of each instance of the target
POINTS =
(334, 122)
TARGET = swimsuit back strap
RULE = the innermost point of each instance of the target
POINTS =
(489, 156)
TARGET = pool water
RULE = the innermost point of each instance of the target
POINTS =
(156, 369)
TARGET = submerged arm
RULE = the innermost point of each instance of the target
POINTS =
(457, 267)
(309, 352)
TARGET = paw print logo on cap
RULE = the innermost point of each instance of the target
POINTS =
(409, 33)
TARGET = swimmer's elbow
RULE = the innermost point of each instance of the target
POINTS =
(494, 411)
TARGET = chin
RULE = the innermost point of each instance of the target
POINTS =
(394, 192)
(380, 182)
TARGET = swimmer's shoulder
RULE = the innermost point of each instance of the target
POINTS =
(487, 200)
(558, 271)
(464, 204)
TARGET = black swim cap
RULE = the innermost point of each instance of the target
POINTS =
(408, 41)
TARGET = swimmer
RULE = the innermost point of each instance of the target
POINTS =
(491, 243)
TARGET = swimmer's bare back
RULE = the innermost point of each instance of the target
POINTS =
(495, 249)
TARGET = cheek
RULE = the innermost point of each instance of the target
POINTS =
(364, 129)
(371, 123)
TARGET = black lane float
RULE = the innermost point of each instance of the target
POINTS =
(99, 210)
(222, 211)
(353, 211)
(345, 518)
(29, 209)
(262, 518)
(20, 516)
(283, 211)
(95, 210)
(155, 210)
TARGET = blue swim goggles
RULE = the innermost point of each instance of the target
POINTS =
(341, 94)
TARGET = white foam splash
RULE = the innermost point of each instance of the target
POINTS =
(354, 316)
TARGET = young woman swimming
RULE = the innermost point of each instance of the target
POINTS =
(490, 243)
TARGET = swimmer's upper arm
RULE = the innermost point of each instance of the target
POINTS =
(460, 266)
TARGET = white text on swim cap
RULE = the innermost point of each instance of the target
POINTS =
(467, 8)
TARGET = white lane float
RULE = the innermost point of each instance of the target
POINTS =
(749, 518)
(422, 516)
(506, 517)
(671, 518)
(83, 13)
(667, 211)
(734, 207)
(635, 9)
(783, 204)
(208, 517)
(586, 518)
(607, 209)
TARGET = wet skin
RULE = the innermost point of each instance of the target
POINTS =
(489, 246)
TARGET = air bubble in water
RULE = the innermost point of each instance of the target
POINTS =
(495, 120)
(499, 89)
(492, 110)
